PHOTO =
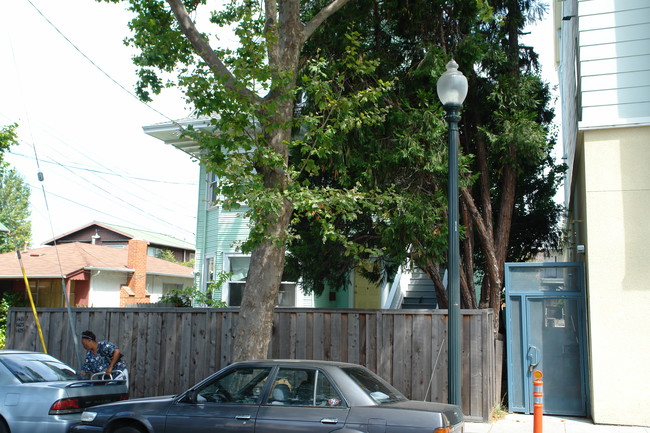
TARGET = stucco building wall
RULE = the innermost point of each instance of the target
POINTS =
(617, 204)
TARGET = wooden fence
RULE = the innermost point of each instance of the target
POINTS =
(168, 350)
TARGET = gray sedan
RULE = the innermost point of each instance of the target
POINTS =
(278, 397)
(40, 394)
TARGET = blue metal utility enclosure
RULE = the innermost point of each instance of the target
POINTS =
(545, 328)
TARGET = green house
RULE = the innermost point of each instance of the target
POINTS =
(221, 265)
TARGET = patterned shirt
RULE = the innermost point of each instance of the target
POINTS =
(100, 362)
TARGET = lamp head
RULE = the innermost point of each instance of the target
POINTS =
(452, 86)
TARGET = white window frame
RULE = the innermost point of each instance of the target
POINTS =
(208, 277)
(226, 287)
(211, 180)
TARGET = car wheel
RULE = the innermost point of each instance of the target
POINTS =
(126, 429)
(3, 427)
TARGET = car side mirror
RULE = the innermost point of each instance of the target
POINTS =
(191, 396)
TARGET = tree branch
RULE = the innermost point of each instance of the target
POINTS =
(492, 263)
(321, 16)
(205, 51)
(271, 31)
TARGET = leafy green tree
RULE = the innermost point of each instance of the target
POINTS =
(14, 199)
(250, 93)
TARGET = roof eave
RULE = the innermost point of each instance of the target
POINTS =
(170, 133)
(163, 274)
(101, 268)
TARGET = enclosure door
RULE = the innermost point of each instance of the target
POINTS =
(554, 348)
(545, 325)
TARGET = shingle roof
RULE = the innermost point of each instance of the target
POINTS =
(66, 259)
(151, 237)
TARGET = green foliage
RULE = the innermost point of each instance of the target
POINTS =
(189, 297)
(7, 138)
(180, 297)
(405, 152)
(192, 296)
(169, 256)
(14, 199)
(349, 134)
(9, 299)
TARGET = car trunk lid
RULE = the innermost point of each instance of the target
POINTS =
(79, 395)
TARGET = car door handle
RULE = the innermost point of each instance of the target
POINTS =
(329, 420)
(243, 417)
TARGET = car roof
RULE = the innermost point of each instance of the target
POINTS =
(304, 362)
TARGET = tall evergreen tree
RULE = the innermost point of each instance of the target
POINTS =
(508, 178)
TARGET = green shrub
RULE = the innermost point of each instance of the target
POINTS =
(9, 299)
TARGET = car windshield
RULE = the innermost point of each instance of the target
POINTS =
(374, 386)
(37, 367)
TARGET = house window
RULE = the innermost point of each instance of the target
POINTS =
(213, 190)
(168, 287)
(237, 266)
(209, 273)
(48, 293)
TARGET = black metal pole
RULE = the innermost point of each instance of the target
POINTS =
(453, 261)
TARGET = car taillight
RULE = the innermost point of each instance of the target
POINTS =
(442, 430)
(65, 406)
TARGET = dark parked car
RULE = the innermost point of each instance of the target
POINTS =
(278, 397)
(40, 394)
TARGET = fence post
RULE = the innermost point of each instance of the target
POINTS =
(538, 401)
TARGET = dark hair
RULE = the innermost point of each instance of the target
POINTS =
(89, 335)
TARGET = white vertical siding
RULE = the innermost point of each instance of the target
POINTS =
(568, 72)
(105, 288)
(614, 62)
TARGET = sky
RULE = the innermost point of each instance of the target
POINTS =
(82, 130)
(67, 80)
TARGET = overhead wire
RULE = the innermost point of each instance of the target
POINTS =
(122, 201)
(109, 173)
(95, 65)
(99, 68)
(127, 191)
(26, 280)
(160, 203)
(41, 180)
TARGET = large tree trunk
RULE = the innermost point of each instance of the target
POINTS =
(492, 264)
(433, 272)
(255, 321)
(285, 38)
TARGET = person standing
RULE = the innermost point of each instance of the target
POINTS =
(101, 356)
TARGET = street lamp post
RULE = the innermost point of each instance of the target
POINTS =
(452, 90)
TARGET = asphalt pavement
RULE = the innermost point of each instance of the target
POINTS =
(518, 423)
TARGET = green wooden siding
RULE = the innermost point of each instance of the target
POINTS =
(218, 232)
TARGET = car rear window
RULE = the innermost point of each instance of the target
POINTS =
(374, 386)
(29, 368)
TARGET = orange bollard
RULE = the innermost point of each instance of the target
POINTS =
(538, 403)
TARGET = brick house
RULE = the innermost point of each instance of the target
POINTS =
(93, 275)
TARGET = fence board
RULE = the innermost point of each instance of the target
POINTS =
(168, 349)
(318, 336)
